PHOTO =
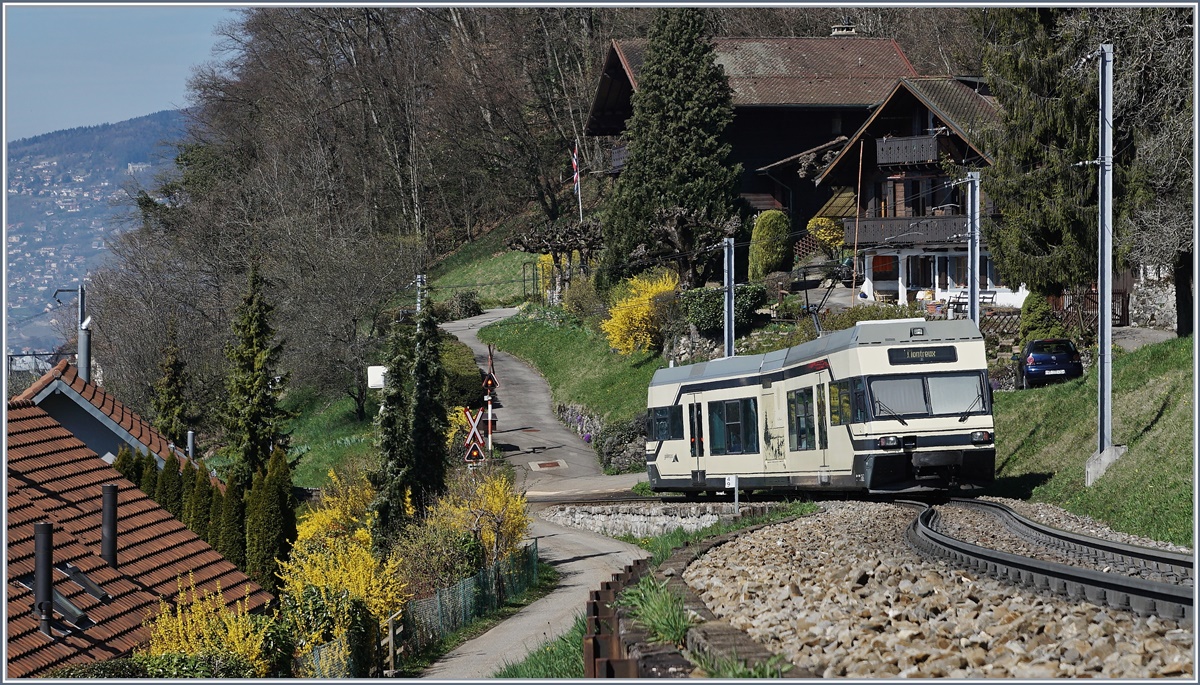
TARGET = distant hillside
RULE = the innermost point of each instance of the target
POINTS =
(112, 145)
(68, 194)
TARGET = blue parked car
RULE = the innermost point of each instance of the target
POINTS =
(1049, 360)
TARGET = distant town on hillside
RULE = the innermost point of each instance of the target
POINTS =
(68, 194)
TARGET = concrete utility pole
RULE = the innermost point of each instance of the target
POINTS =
(420, 287)
(83, 354)
(973, 246)
(729, 297)
(1106, 452)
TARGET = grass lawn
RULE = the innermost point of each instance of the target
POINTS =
(486, 266)
(327, 434)
(578, 364)
(1045, 436)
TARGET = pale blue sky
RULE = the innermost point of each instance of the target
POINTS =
(68, 66)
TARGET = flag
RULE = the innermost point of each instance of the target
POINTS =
(575, 165)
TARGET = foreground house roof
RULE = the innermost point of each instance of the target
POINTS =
(63, 379)
(53, 477)
(817, 72)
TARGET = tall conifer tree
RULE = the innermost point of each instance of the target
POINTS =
(171, 414)
(428, 421)
(677, 154)
(270, 521)
(233, 525)
(1040, 182)
(254, 421)
(393, 477)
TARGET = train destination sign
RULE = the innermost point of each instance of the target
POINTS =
(922, 355)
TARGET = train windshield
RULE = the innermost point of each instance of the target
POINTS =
(939, 394)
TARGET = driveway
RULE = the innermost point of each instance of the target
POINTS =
(553, 464)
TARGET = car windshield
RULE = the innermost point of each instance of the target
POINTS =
(1052, 347)
(933, 395)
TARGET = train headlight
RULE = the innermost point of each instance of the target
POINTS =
(981, 436)
(889, 442)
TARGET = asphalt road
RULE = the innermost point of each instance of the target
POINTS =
(553, 464)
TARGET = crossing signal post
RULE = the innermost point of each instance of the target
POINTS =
(474, 439)
(489, 386)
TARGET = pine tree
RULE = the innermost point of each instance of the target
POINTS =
(254, 421)
(1046, 236)
(233, 525)
(171, 414)
(392, 479)
(187, 479)
(148, 481)
(216, 512)
(270, 521)
(200, 504)
(677, 157)
(169, 489)
(428, 414)
(127, 465)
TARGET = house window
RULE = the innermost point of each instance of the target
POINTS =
(733, 426)
(920, 272)
(885, 267)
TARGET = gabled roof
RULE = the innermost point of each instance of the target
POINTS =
(54, 477)
(64, 378)
(766, 72)
(965, 110)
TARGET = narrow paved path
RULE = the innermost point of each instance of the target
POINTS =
(554, 464)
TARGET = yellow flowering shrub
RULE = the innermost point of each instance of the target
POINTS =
(485, 503)
(635, 322)
(545, 265)
(828, 232)
(456, 431)
(201, 623)
(332, 557)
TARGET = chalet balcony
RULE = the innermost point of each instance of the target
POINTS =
(909, 152)
(907, 230)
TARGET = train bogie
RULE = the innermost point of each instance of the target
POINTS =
(887, 406)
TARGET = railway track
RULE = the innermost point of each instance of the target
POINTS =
(1171, 599)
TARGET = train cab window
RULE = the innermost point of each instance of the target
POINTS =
(733, 426)
(801, 422)
(666, 423)
(847, 402)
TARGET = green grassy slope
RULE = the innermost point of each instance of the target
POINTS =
(1045, 436)
(486, 266)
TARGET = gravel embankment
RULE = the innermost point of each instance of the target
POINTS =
(841, 594)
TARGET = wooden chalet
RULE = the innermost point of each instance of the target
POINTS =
(795, 102)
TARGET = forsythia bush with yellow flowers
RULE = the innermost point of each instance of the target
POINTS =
(332, 565)
(484, 503)
(635, 320)
(202, 624)
(828, 232)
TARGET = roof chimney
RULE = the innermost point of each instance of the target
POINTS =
(84, 358)
(43, 575)
(108, 524)
(846, 29)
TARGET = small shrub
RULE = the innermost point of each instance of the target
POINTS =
(464, 385)
(830, 234)
(211, 665)
(432, 557)
(112, 668)
(636, 320)
(484, 503)
(1038, 320)
(462, 305)
(582, 300)
(769, 243)
(704, 308)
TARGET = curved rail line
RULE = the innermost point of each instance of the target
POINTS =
(1123, 592)
(1119, 554)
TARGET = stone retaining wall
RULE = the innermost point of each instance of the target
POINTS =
(649, 519)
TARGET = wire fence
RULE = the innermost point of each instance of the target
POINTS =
(423, 622)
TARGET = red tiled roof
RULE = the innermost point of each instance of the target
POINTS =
(139, 428)
(55, 477)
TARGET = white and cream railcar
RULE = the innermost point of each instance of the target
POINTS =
(902, 405)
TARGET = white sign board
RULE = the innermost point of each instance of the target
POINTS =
(731, 482)
(375, 376)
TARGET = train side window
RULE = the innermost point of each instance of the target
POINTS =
(822, 434)
(666, 423)
(733, 425)
(847, 402)
(801, 427)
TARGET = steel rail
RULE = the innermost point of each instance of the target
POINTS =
(1162, 561)
(1141, 596)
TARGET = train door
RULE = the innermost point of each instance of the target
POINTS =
(695, 420)
(808, 433)
(773, 434)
